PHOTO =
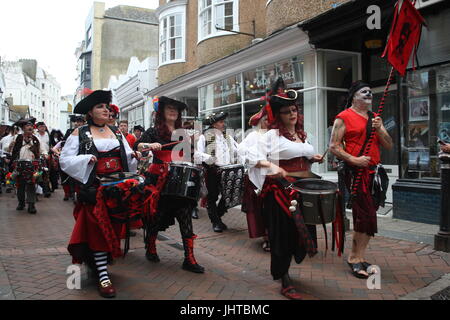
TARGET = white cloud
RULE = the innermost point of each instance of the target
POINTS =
(50, 31)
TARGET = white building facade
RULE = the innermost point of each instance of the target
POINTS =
(4, 110)
(129, 89)
(31, 91)
(50, 98)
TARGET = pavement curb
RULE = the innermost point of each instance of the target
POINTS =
(426, 292)
(6, 292)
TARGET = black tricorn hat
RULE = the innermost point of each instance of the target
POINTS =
(96, 97)
(214, 117)
(279, 96)
(163, 101)
(76, 118)
(22, 122)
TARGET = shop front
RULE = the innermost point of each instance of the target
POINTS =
(321, 77)
(425, 117)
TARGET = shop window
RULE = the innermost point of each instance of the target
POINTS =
(340, 69)
(217, 13)
(221, 93)
(171, 38)
(233, 121)
(257, 81)
(426, 115)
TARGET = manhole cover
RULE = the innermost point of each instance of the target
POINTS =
(442, 295)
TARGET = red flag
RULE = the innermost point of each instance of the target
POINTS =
(404, 36)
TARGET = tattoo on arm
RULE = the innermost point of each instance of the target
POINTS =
(336, 141)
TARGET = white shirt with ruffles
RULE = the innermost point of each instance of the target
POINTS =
(273, 147)
(78, 166)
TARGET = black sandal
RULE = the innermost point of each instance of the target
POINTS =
(356, 268)
(366, 265)
(266, 246)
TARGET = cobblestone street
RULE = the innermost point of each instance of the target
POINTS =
(34, 260)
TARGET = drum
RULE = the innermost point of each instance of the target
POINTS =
(26, 169)
(318, 200)
(183, 181)
(232, 184)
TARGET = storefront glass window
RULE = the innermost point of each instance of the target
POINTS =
(426, 115)
(257, 81)
(221, 93)
(233, 121)
(340, 69)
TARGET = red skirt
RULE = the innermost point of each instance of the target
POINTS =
(89, 234)
(251, 205)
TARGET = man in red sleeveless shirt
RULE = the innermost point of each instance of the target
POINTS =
(348, 138)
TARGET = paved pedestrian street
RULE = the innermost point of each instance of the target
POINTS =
(34, 261)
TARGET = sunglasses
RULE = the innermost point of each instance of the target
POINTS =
(291, 110)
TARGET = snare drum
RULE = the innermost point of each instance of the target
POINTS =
(183, 181)
(231, 184)
(318, 200)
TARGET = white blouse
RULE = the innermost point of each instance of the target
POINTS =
(78, 166)
(248, 150)
(273, 147)
(223, 151)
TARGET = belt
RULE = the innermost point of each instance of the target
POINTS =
(109, 165)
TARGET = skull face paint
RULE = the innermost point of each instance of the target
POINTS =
(363, 97)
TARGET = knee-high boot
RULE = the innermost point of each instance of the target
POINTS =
(151, 253)
(190, 264)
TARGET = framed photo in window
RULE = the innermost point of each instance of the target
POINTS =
(418, 159)
(418, 135)
(419, 109)
(443, 80)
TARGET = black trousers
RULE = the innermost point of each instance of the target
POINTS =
(26, 192)
(212, 180)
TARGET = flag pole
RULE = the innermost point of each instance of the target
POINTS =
(357, 179)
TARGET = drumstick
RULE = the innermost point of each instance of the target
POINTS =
(163, 146)
(323, 156)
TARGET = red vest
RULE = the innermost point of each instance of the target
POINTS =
(355, 135)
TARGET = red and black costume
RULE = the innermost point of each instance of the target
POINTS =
(160, 211)
(364, 205)
(104, 212)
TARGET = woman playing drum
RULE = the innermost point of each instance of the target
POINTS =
(162, 209)
(92, 151)
(286, 144)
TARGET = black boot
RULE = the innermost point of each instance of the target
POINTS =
(195, 213)
(215, 220)
(20, 206)
(151, 253)
(31, 208)
(189, 263)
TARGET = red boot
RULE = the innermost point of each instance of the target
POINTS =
(151, 253)
(190, 264)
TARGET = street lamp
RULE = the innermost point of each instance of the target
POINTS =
(442, 238)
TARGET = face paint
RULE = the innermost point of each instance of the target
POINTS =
(363, 97)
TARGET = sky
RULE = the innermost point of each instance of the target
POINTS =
(49, 31)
